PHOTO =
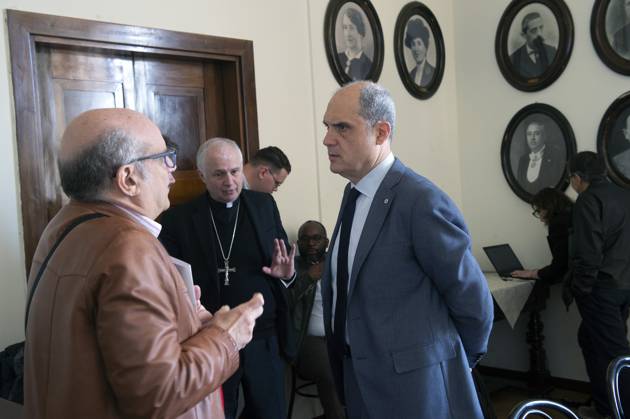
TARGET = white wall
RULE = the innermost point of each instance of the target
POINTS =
(486, 103)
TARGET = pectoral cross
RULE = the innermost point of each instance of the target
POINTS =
(226, 269)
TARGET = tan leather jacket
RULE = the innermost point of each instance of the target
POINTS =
(112, 332)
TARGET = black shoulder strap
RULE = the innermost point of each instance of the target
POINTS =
(71, 226)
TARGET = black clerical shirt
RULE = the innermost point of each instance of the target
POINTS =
(247, 258)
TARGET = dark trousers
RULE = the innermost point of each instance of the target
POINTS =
(313, 364)
(261, 373)
(603, 336)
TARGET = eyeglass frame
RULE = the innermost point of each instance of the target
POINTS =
(170, 155)
(276, 183)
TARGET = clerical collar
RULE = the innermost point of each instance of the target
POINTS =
(222, 205)
(368, 185)
(152, 226)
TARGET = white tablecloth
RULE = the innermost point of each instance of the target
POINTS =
(510, 295)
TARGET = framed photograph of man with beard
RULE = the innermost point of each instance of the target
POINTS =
(419, 50)
(537, 144)
(534, 42)
(613, 140)
(610, 32)
(353, 38)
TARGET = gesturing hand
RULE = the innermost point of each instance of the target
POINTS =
(239, 322)
(281, 262)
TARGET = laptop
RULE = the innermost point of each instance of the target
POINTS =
(503, 259)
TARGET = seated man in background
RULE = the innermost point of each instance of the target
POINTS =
(308, 316)
(111, 331)
(267, 170)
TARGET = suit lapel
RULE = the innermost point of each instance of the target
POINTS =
(379, 209)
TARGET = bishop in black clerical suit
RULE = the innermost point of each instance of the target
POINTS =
(228, 222)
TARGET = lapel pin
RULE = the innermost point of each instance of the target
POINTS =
(386, 201)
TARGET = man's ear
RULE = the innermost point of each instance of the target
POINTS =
(261, 171)
(383, 130)
(126, 180)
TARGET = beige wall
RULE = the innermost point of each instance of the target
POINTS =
(293, 84)
(453, 138)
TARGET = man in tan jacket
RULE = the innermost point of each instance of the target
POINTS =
(112, 330)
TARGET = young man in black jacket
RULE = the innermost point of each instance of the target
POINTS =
(600, 278)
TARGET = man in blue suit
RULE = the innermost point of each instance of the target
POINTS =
(407, 311)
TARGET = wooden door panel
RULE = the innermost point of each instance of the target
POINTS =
(61, 66)
(72, 81)
(173, 96)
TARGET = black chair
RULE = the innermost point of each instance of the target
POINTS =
(305, 389)
(532, 407)
(614, 369)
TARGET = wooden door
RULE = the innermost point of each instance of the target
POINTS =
(192, 86)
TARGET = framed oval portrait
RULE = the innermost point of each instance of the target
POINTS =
(613, 140)
(419, 50)
(610, 32)
(537, 144)
(534, 42)
(353, 39)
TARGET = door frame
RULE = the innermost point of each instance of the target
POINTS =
(26, 30)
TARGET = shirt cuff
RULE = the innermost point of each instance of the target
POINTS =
(288, 281)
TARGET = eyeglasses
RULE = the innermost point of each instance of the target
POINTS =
(306, 239)
(276, 182)
(169, 158)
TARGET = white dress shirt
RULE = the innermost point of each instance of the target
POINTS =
(367, 186)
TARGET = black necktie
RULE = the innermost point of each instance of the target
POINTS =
(342, 269)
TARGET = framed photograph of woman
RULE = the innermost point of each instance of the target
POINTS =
(353, 39)
(610, 32)
(534, 42)
(613, 140)
(419, 50)
(537, 144)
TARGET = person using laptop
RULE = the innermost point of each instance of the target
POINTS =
(553, 208)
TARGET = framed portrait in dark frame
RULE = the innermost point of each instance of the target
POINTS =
(353, 39)
(534, 42)
(613, 140)
(419, 50)
(537, 144)
(610, 33)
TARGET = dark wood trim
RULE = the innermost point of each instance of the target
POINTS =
(564, 383)
(26, 30)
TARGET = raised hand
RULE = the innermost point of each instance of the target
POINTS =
(281, 261)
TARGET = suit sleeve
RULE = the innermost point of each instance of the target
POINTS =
(169, 234)
(442, 246)
(152, 369)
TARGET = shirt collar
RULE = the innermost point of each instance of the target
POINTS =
(369, 184)
(152, 226)
(352, 56)
(538, 153)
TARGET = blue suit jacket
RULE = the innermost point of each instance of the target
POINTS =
(419, 309)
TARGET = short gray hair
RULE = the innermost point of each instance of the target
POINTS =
(376, 104)
(90, 173)
(212, 141)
